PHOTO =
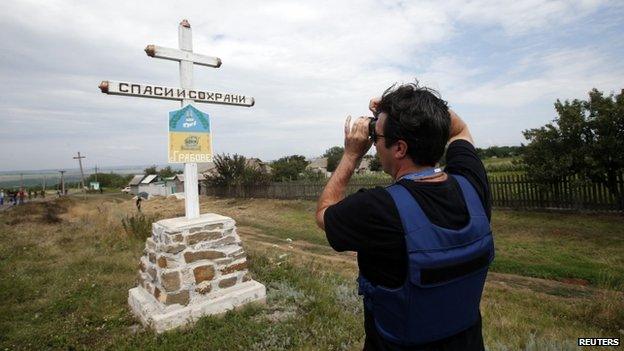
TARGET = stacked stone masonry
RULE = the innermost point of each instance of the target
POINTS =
(191, 264)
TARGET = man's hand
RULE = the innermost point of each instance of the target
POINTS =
(357, 141)
(357, 144)
(459, 129)
(373, 105)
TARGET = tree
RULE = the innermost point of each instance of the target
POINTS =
(110, 180)
(288, 167)
(375, 163)
(167, 172)
(333, 155)
(163, 173)
(150, 170)
(586, 139)
(499, 151)
(233, 171)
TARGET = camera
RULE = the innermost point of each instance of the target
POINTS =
(371, 128)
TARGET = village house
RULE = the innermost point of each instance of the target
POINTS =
(258, 165)
(205, 170)
(153, 185)
(364, 166)
(134, 183)
(319, 165)
(177, 182)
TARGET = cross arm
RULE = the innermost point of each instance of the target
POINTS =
(180, 94)
(181, 55)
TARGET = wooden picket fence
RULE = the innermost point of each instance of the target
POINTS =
(568, 193)
(508, 191)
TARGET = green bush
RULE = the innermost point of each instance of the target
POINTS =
(109, 180)
(236, 170)
(51, 213)
(288, 168)
(138, 226)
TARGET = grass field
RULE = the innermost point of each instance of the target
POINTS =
(497, 161)
(64, 284)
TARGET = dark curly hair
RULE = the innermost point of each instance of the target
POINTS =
(418, 116)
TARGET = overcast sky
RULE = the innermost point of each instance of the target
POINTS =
(308, 65)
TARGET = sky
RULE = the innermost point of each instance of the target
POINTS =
(500, 65)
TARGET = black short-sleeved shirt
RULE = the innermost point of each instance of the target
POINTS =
(368, 222)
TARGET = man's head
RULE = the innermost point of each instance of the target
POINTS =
(414, 123)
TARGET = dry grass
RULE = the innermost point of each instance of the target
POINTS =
(65, 284)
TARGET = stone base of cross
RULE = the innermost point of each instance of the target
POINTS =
(193, 265)
(192, 268)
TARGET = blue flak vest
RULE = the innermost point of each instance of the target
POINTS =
(446, 274)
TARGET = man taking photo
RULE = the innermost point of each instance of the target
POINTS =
(423, 244)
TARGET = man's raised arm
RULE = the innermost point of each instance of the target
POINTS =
(459, 129)
(357, 144)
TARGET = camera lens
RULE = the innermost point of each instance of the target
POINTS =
(371, 128)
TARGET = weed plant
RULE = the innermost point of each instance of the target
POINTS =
(138, 225)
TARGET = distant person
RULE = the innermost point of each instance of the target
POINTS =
(1, 197)
(424, 243)
(101, 190)
(42, 193)
(138, 202)
(21, 196)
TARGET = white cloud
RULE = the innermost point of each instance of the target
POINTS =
(519, 17)
(308, 64)
(564, 74)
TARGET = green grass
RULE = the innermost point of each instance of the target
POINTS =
(306, 308)
(65, 285)
(491, 161)
(286, 219)
(561, 246)
(504, 166)
(535, 244)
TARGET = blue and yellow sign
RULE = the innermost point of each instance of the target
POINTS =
(189, 136)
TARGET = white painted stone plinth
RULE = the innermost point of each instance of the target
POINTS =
(192, 268)
(154, 315)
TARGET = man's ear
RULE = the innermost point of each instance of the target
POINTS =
(401, 149)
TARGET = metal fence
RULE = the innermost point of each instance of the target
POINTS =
(509, 191)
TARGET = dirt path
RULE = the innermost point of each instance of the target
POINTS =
(305, 253)
(298, 249)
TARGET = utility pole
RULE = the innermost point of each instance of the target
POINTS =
(82, 182)
(96, 173)
(62, 183)
(22, 181)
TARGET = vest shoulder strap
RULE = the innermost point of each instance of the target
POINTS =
(412, 215)
(473, 201)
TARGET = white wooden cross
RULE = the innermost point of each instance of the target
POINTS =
(185, 93)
